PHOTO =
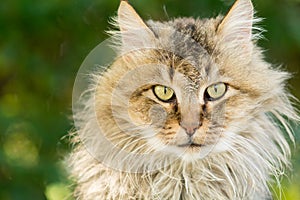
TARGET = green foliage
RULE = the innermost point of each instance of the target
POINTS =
(42, 45)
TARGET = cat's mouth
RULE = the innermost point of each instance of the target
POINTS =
(190, 145)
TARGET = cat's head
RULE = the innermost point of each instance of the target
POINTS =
(189, 86)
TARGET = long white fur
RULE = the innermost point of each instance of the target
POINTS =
(245, 168)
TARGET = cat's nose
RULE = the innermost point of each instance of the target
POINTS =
(190, 128)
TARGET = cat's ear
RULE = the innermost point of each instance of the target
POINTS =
(235, 30)
(134, 32)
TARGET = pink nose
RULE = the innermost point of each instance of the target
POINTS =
(190, 128)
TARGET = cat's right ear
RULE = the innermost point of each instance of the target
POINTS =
(134, 32)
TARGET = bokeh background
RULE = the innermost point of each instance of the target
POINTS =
(42, 45)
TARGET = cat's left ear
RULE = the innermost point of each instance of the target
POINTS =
(235, 30)
(134, 32)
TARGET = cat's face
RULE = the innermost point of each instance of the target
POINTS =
(188, 109)
(188, 86)
(179, 104)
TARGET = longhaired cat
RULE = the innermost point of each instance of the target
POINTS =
(188, 109)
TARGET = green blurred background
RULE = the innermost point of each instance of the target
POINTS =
(42, 45)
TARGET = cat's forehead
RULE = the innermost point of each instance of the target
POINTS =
(185, 72)
(201, 31)
(187, 35)
(188, 45)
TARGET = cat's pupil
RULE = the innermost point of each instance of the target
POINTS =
(165, 90)
(216, 88)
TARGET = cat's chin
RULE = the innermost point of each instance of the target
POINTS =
(189, 152)
(193, 151)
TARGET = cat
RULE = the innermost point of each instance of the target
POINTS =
(189, 109)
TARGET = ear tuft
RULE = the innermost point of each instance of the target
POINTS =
(134, 32)
(236, 27)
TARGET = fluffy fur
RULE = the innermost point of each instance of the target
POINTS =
(128, 141)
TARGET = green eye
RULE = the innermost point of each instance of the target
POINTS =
(215, 91)
(163, 93)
